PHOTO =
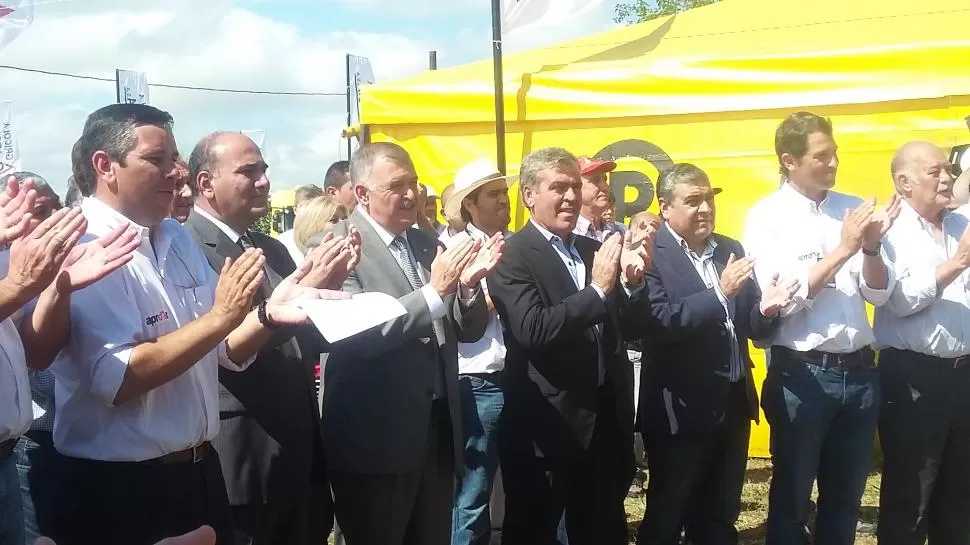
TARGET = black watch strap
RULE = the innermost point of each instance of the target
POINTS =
(263, 318)
(871, 252)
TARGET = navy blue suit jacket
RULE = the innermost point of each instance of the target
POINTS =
(685, 382)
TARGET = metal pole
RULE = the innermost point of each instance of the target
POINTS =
(349, 99)
(433, 60)
(117, 86)
(499, 87)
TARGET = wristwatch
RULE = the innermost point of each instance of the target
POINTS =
(871, 252)
(264, 318)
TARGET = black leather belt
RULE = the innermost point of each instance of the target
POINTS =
(827, 360)
(954, 363)
(190, 455)
(6, 448)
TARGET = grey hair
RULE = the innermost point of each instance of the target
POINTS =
(40, 184)
(543, 159)
(73, 196)
(363, 161)
(681, 173)
(111, 129)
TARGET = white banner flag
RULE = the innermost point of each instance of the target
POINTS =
(15, 16)
(518, 14)
(9, 153)
(132, 87)
(256, 135)
(360, 74)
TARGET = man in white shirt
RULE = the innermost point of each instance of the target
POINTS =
(923, 331)
(821, 396)
(301, 196)
(596, 200)
(481, 198)
(136, 388)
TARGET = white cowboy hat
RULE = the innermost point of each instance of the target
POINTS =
(471, 177)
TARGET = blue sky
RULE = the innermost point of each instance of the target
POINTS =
(296, 45)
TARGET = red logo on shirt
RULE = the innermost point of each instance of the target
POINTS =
(160, 317)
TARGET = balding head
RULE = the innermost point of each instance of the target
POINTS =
(921, 174)
(230, 174)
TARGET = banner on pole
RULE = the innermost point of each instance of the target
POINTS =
(517, 14)
(15, 16)
(256, 135)
(132, 87)
(9, 152)
(360, 73)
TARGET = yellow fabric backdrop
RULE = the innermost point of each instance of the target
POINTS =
(709, 87)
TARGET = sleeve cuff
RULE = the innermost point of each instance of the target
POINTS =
(436, 306)
(109, 373)
(599, 291)
(874, 296)
(226, 362)
(632, 291)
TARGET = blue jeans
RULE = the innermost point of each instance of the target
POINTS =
(38, 483)
(11, 506)
(481, 401)
(823, 423)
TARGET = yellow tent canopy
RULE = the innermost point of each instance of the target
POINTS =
(707, 86)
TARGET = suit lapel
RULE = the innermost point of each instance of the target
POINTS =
(380, 255)
(214, 238)
(670, 252)
(554, 267)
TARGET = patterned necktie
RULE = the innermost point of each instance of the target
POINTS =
(406, 262)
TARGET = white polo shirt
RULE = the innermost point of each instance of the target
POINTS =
(787, 233)
(164, 287)
(15, 408)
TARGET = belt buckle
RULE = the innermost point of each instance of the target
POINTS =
(196, 454)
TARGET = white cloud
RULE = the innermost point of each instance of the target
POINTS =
(233, 44)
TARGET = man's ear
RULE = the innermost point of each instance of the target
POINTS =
(203, 181)
(362, 195)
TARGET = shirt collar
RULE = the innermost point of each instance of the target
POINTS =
(229, 231)
(708, 249)
(908, 213)
(552, 237)
(102, 219)
(792, 195)
(386, 236)
(477, 233)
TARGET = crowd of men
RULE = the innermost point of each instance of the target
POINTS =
(157, 366)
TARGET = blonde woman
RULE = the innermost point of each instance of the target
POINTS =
(318, 215)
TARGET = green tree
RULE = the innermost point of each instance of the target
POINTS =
(638, 11)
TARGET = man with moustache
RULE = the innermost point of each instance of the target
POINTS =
(923, 331)
(596, 200)
(821, 395)
(269, 441)
(567, 426)
(700, 396)
(481, 198)
(391, 417)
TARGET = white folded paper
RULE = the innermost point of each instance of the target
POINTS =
(338, 319)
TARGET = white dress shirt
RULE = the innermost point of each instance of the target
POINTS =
(165, 286)
(229, 231)
(436, 306)
(585, 228)
(787, 233)
(917, 316)
(486, 355)
(15, 399)
(707, 271)
(287, 239)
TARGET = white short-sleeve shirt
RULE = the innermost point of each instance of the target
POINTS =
(165, 286)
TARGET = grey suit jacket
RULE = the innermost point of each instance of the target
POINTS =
(378, 384)
(269, 440)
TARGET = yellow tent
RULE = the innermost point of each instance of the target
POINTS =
(707, 86)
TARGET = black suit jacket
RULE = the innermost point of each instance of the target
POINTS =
(551, 366)
(684, 389)
(269, 439)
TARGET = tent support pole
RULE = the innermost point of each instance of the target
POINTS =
(499, 87)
